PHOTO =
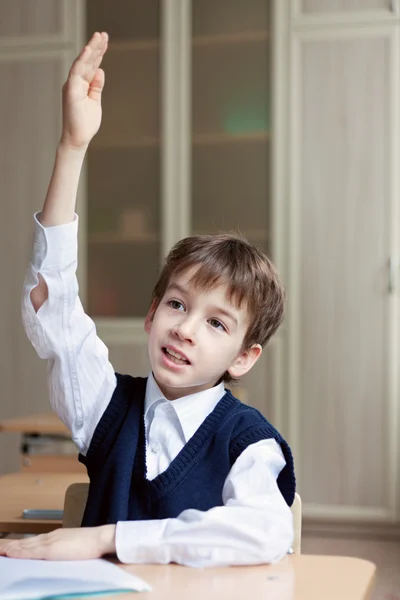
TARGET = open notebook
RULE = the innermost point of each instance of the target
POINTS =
(43, 579)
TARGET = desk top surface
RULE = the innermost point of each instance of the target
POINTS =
(33, 490)
(47, 423)
(302, 577)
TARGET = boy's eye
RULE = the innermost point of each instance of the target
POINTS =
(217, 324)
(176, 305)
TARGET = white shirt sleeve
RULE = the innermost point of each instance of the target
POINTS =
(254, 525)
(81, 379)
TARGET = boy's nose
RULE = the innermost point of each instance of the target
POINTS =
(185, 331)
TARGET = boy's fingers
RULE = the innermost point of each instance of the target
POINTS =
(39, 546)
(90, 58)
(7, 546)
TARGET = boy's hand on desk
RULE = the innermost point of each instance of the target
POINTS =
(63, 544)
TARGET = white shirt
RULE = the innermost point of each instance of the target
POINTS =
(253, 526)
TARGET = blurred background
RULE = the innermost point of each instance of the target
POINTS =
(276, 118)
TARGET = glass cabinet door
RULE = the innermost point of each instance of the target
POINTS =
(231, 117)
(123, 186)
(20, 18)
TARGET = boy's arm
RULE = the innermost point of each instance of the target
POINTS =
(80, 377)
(254, 525)
(81, 101)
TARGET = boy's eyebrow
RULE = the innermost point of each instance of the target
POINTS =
(227, 313)
(218, 309)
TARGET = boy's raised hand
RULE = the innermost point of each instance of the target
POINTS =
(82, 94)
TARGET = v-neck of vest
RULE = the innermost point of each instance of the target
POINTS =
(191, 450)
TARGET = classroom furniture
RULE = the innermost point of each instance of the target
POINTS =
(321, 179)
(46, 444)
(297, 523)
(74, 504)
(76, 497)
(19, 491)
(271, 124)
(43, 424)
(296, 577)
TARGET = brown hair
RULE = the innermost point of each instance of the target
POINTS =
(251, 278)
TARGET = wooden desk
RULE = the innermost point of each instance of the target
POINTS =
(302, 577)
(48, 429)
(299, 577)
(37, 490)
(47, 424)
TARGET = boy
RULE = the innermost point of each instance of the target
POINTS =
(180, 470)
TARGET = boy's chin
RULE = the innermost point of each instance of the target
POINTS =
(173, 386)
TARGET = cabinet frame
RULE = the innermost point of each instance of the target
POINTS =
(345, 513)
(301, 19)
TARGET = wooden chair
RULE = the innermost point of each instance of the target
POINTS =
(296, 512)
(76, 497)
(74, 504)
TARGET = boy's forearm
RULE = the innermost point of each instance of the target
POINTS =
(59, 206)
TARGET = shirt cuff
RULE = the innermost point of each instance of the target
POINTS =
(141, 541)
(54, 246)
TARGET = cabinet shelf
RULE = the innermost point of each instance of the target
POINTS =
(151, 238)
(122, 238)
(253, 235)
(245, 37)
(119, 143)
(215, 139)
(202, 139)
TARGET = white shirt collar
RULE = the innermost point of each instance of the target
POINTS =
(191, 410)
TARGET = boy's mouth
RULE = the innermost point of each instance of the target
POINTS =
(175, 356)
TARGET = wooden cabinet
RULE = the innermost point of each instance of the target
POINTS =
(316, 12)
(346, 6)
(218, 133)
(343, 271)
(124, 163)
(231, 118)
(34, 58)
(32, 19)
(185, 147)
(279, 119)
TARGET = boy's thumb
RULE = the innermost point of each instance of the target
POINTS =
(97, 84)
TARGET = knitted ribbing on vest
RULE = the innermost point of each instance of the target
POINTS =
(116, 459)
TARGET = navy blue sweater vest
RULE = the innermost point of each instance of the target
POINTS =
(116, 460)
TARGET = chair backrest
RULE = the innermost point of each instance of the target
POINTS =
(296, 512)
(74, 504)
(76, 497)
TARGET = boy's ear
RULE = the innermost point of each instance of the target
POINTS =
(149, 317)
(244, 361)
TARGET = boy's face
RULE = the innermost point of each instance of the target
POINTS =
(196, 336)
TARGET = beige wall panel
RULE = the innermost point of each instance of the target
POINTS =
(344, 225)
(259, 383)
(30, 17)
(29, 131)
(130, 359)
